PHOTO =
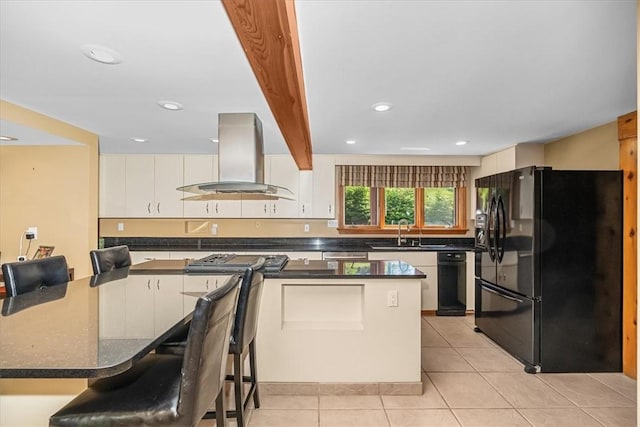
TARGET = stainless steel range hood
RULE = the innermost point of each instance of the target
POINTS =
(240, 162)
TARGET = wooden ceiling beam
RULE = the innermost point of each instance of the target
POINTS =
(268, 32)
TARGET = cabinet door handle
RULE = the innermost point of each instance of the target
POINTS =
(149, 284)
(274, 208)
(158, 284)
(302, 208)
(158, 207)
(207, 207)
(149, 207)
(216, 208)
(265, 208)
(330, 208)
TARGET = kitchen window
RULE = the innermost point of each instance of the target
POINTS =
(374, 198)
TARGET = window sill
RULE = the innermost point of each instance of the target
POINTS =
(394, 231)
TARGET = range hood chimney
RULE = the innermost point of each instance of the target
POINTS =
(240, 162)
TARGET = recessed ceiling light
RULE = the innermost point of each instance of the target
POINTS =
(8, 138)
(101, 54)
(170, 105)
(461, 143)
(136, 139)
(350, 141)
(213, 139)
(381, 106)
(415, 148)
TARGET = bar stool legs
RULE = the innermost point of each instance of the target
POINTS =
(239, 380)
(254, 377)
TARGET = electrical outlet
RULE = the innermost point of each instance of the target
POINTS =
(214, 229)
(121, 226)
(392, 298)
(306, 228)
(34, 231)
(332, 223)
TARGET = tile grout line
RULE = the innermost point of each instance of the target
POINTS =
(608, 386)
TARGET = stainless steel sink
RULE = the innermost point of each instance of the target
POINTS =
(409, 248)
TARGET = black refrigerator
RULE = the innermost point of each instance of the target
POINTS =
(548, 267)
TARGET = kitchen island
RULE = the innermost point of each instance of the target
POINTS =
(339, 322)
(342, 324)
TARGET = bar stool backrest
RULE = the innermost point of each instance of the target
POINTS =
(108, 259)
(26, 276)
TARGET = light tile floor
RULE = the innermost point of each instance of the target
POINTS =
(468, 381)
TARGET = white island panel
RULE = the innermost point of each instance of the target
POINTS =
(339, 331)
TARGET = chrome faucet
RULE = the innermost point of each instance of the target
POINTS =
(402, 239)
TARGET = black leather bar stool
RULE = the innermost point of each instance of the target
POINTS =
(108, 259)
(26, 276)
(166, 389)
(242, 345)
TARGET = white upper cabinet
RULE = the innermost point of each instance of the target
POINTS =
(168, 177)
(305, 195)
(198, 168)
(112, 186)
(143, 186)
(151, 183)
(282, 171)
(324, 187)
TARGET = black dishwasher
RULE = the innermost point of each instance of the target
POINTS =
(452, 284)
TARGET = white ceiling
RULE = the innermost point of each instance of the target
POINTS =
(494, 73)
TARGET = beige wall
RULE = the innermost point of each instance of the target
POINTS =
(594, 149)
(229, 227)
(54, 188)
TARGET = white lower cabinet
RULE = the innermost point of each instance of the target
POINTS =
(197, 285)
(143, 256)
(166, 308)
(112, 311)
(429, 287)
(427, 262)
(137, 322)
(143, 295)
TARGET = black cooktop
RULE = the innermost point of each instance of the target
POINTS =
(232, 263)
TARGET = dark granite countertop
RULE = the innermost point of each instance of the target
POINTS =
(91, 327)
(306, 269)
(348, 269)
(293, 244)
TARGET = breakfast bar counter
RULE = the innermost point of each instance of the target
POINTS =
(348, 322)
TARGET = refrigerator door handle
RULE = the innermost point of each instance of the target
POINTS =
(501, 233)
(492, 223)
(502, 295)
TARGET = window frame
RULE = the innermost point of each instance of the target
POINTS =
(381, 228)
